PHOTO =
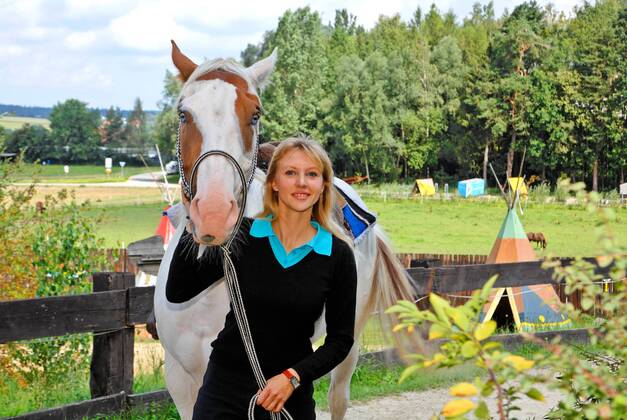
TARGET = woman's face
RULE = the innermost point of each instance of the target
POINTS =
(298, 182)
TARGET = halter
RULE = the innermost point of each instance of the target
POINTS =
(230, 274)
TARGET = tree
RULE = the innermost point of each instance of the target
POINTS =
(4, 135)
(166, 124)
(291, 101)
(33, 141)
(250, 55)
(136, 128)
(112, 132)
(515, 52)
(598, 61)
(74, 131)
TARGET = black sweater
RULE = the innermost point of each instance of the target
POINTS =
(282, 305)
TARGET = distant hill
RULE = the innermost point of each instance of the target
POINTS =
(44, 112)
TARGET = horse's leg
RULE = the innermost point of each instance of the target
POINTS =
(183, 387)
(339, 388)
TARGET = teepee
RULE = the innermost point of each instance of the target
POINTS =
(530, 307)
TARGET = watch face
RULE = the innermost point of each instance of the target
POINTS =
(294, 382)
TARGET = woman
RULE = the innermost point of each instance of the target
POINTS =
(292, 262)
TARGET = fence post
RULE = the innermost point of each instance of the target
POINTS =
(111, 368)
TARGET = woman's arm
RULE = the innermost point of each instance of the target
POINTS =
(188, 275)
(340, 320)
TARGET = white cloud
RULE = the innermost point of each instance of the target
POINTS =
(79, 40)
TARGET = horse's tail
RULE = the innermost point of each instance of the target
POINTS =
(390, 283)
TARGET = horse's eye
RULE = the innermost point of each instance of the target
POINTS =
(255, 119)
(182, 118)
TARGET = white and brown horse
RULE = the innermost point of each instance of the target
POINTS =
(219, 109)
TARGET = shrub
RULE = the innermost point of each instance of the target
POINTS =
(50, 249)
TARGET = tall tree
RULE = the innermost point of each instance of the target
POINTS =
(166, 124)
(599, 63)
(74, 131)
(112, 130)
(136, 127)
(514, 53)
(291, 101)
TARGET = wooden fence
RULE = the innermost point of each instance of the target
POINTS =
(115, 307)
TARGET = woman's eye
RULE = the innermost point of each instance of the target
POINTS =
(313, 174)
(290, 172)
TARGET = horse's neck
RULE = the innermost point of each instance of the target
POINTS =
(254, 202)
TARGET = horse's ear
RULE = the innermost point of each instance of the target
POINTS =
(261, 70)
(184, 65)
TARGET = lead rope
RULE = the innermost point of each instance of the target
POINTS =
(240, 312)
(230, 274)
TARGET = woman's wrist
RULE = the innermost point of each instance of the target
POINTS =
(293, 372)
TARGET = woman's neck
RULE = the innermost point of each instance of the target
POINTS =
(293, 229)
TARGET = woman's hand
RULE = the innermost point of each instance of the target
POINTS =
(277, 391)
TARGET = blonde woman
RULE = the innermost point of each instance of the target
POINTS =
(293, 261)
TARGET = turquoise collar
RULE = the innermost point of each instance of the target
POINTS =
(321, 243)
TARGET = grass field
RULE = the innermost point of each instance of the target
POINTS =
(433, 226)
(14, 123)
(79, 173)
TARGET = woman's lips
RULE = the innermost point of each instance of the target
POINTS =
(301, 196)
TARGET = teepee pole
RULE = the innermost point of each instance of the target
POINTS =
(515, 195)
(500, 186)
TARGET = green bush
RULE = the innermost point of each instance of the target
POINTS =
(56, 243)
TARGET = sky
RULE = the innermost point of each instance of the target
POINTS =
(109, 52)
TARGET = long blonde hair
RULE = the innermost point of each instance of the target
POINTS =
(322, 211)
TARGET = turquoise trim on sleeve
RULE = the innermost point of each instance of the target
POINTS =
(321, 243)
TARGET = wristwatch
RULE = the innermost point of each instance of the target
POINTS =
(293, 379)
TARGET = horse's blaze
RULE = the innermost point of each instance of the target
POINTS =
(223, 214)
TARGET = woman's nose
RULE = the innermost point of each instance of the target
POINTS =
(301, 179)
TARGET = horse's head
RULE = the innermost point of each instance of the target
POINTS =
(219, 110)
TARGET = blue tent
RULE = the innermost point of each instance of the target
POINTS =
(471, 187)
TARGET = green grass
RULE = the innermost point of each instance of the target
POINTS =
(122, 225)
(14, 123)
(79, 173)
(430, 226)
(470, 227)
(372, 380)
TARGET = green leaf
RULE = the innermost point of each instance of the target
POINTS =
(459, 318)
(469, 349)
(485, 330)
(534, 394)
(587, 303)
(481, 412)
(437, 331)
(409, 371)
(438, 304)
(487, 287)
(487, 389)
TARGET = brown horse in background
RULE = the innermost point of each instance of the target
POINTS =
(538, 238)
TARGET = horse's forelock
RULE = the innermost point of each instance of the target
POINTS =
(226, 65)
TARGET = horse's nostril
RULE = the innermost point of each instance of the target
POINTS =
(207, 238)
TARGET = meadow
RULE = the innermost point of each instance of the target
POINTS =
(79, 173)
(14, 123)
(422, 226)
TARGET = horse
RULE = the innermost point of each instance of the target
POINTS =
(219, 109)
(538, 238)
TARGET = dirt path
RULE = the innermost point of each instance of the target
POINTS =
(422, 405)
